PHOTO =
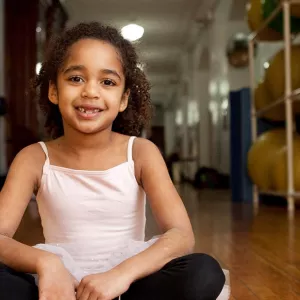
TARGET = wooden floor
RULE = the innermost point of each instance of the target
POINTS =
(262, 252)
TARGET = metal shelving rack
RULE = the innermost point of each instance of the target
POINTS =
(288, 98)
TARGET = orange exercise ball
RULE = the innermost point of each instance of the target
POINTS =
(279, 167)
(262, 98)
(261, 154)
(275, 74)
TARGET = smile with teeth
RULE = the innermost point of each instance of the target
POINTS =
(88, 111)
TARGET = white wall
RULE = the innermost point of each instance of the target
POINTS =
(222, 79)
(169, 125)
(158, 118)
(204, 123)
(209, 87)
(199, 95)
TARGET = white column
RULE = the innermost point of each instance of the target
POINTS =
(169, 125)
(183, 100)
(204, 140)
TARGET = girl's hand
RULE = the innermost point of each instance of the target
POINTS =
(104, 286)
(55, 281)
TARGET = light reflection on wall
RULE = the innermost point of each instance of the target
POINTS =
(193, 113)
(179, 117)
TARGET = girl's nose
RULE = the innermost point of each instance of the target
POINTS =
(91, 90)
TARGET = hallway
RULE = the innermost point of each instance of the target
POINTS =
(262, 252)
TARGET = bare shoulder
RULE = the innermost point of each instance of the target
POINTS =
(144, 149)
(30, 160)
(147, 159)
(32, 154)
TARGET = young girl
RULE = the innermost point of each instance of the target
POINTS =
(91, 182)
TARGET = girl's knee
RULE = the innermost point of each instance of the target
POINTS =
(15, 285)
(205, 278)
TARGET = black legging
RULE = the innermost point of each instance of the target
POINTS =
(192, 277)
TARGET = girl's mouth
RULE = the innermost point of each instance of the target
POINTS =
(88, 113)
(88, 110)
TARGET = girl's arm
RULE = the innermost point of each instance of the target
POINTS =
(167, 207)
(15, 195)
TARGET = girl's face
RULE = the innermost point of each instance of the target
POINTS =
(90, 87)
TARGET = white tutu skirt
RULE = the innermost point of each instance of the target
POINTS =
(130, 249)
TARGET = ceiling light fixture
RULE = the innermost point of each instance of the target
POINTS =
(38, 68)
(132, 32)
(266, 65)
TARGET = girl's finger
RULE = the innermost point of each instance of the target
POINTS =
(93, 296)
(85, 295)
(79, 292)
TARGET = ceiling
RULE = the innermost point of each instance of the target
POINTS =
(169, 28)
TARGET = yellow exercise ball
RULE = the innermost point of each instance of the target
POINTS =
(279, 167)
(255, 19)
(275, 74)
(295, 9)
(262, 98)
(260, 157)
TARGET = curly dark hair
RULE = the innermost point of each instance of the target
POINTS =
(139, 111)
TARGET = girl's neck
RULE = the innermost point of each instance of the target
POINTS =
(79, 142)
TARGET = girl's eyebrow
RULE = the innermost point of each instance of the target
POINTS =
(81, 68)
(73, 68)
(110, 72)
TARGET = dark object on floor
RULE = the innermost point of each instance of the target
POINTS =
(209, 178)
(271, 200)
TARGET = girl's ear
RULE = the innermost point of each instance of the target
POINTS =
(52, 93)
(124, 101)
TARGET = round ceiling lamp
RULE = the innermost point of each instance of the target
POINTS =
(132, 32)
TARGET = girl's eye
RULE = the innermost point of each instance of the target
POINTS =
(108, 82)
(76, 79)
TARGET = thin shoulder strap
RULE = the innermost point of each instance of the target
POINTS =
(47, 162)
(44, 147)
(129, 150)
